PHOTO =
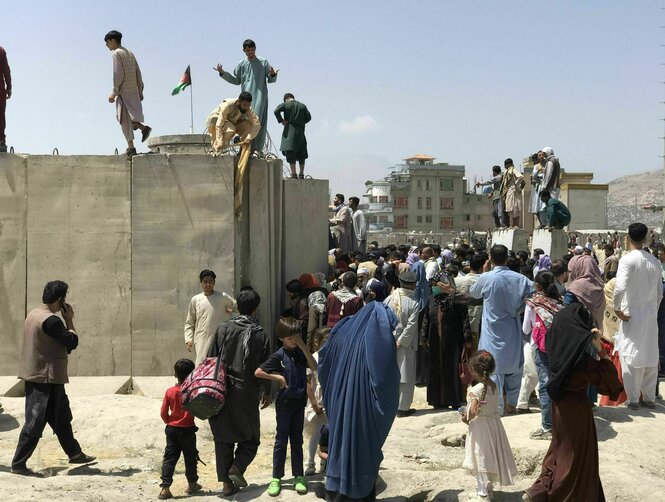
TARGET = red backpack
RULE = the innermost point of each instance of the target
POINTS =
(204, 390)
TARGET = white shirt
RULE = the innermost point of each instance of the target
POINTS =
(431, 268)
(204, 315)
(637, 293)
(359, 225)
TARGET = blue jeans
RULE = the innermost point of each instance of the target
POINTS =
(543, 369)
(290, 422)
(510, 383)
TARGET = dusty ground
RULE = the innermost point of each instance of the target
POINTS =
(125, 433)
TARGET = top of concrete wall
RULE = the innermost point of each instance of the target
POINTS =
(180, 143)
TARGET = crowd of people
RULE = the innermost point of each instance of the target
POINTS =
(483, 331)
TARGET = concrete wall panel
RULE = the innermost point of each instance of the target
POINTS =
(13, 212)
(262, 224)
(78, 214)
(305, 242)
(182, 222)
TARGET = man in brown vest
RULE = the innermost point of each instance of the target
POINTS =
(46, 344)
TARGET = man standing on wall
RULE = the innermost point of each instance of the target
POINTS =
(5, 94)
(252, 75)
(294, 142)
(207, 311)
(127, 91)
(359, 226)
(46, 345)
(511, 192)
(499, 212)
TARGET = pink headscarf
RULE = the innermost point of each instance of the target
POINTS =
(587, 285)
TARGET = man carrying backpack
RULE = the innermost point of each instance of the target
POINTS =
(243, 346)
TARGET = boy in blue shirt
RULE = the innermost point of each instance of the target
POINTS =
(288, 367)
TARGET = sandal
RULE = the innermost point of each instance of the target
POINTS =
(302, 176)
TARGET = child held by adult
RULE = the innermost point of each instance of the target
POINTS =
(288, 367)
(488, 454)
(180, 435)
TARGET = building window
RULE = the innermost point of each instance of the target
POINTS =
(419, 219)
(446, 203)
(383, 198)
(372, 199)
(468, 217)
(383, 218)
(446, 184)
(428, 218)
(401, 221)
(420, 203)
(428, 185)
(480, 217)
(401, 201)
(419, 184)
(428, 202)
(446, 223)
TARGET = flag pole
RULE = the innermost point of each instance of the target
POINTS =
(191, 108)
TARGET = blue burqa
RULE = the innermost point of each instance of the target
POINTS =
(360, 379)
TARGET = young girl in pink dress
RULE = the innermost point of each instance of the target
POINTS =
(488, 454)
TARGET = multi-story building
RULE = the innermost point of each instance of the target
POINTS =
(422, 196)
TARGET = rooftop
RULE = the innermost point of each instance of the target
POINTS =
(420, 156)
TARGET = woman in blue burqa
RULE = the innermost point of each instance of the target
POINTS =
(360, 378)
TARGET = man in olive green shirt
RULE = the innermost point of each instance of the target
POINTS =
(294, 143)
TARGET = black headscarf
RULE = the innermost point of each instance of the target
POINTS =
(444, 299)
(567, 343)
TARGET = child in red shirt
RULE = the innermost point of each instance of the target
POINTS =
(180, 435)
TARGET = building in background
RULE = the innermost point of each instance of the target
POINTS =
(422, 196)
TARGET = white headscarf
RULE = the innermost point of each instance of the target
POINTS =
(548, 151)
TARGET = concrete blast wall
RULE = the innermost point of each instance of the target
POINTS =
(130, 239)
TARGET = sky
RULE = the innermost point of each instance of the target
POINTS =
(469, 83)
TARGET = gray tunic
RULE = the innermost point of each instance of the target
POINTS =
(406, 309)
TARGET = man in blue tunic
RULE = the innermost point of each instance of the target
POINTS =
(503, 292)
(253, 74)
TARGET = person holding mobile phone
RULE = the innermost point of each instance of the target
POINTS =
(47, 342)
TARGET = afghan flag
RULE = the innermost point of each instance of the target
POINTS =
(185, 81)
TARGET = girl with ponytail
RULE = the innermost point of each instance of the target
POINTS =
(488, 454)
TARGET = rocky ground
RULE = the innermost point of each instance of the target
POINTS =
(423, 456)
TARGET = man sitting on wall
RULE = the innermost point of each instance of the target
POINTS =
(558, 215)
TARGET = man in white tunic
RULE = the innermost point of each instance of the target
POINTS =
(359, 226)
(207, 311)
(127, 91)
(406, 310)
(637, 295)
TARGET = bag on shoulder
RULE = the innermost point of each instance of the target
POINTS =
(204, 390)
(464, 373)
